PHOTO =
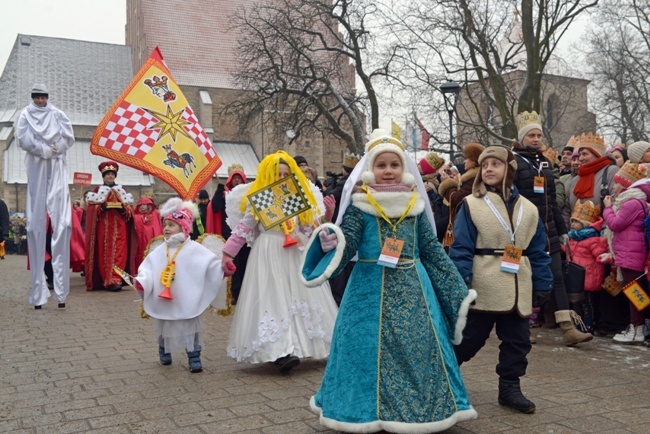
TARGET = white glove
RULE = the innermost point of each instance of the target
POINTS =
(328, 241)
(564, 239)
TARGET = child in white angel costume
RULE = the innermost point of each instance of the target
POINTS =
(178, 280)
(277, 319)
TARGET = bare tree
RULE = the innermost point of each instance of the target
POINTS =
(301, 59)
(617, 54)
(474, 43)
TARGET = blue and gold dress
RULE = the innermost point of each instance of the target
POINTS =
(391, 365)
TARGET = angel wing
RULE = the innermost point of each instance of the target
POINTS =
(233, 203)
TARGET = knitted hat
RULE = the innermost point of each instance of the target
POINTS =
(431, 163)
(585, 212)
(204, 195)
(379, 143)
(592, 142)
(108, 166)
(180, 212)
(630, 173)
(500, 153)
(526, 122)
(39, 89)
(636, 150)
(300, 160)
(472, 151)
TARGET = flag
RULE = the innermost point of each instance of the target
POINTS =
(411, 137)
(425, 135)
(151, 127)
(396, 130)
(278, 202)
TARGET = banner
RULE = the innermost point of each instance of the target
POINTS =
(152, 128)
(80, 178)
(396, 130)
(278, 202)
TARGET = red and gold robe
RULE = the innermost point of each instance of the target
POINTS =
(107, 235)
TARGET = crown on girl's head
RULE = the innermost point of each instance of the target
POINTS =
(527, 118)
(235, 166)
(585, 212)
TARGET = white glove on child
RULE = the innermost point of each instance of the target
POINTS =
(328, 241)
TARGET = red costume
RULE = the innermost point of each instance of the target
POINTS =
(147, 226)
(216, 215)
(109, 210)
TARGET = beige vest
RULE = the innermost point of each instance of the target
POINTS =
(497, 290)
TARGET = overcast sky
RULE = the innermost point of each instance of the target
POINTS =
(88, 20)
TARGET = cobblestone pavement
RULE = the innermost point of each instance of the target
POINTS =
(93, 367)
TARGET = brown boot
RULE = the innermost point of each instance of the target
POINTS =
(570, 334)
(549, 317)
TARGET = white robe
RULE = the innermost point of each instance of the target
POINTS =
(46, 134)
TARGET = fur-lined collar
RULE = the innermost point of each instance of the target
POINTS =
(393, 203)
(629, 194)
(102, 194)
(469, 175)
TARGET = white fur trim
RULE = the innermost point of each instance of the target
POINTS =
(408, 179)
(461, 321)
(102, 194)
(393, 203)
(368, 177)
(395, 427)
(336, 260)
(381, 148)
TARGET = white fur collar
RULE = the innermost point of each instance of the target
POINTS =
(102, 194)
(629, 194)
(393, 203)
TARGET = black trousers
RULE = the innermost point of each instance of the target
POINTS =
(515, 345)
(560, 297)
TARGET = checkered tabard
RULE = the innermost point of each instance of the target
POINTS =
(198, 134)
(127, 131)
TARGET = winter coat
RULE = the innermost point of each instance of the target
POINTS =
(625, 219)
(532, 163)
(585, 252)
(476, 227)
(599, 181)
(562, 190)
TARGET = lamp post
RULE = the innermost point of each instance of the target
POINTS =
(450, 91)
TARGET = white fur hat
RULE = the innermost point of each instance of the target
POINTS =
(379, 142)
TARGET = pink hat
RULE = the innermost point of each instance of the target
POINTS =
(182, 213)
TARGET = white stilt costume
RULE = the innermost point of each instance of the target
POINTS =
(46, 134)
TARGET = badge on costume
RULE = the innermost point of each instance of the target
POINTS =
(390, 252)
(511, 259)
(538, 185)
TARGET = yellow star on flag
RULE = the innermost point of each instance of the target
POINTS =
(170, 123)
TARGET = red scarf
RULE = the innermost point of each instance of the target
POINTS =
(585, 186)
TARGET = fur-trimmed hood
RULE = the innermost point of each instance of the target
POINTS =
(393, 203)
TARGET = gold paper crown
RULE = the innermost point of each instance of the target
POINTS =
(235, 166)
(585, 212)
(109, 168)
(434, 160)
(588, 140)
(632, 171)
(384, 139)
(350, 160)
(527, 118)
(551, 154)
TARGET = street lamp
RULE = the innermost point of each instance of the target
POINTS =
(450, 91)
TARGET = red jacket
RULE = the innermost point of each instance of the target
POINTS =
(586, 252)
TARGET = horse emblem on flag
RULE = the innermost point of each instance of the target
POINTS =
(278, 202)
(151, 127)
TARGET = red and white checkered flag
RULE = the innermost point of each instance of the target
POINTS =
(198, 134)
(127, 131)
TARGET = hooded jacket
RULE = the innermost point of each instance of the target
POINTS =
(585, 252)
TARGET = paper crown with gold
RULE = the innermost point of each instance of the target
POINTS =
(235, 167)
(594, 142)
(350, 160)
(527, 121)
(108, 166)
(585, 212)
(629, 173)
(573, 142)
(431, 163)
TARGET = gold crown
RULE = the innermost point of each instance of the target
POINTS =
(434, 160)
(235, 166)
(384, 139)
(551, 154)
(632, 171)
(588, 140)
(109, 168)
(585, 212)
(527, 118)
(350, 160)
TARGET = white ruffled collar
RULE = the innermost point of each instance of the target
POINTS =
(393, 203)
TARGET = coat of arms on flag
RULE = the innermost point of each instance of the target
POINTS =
(151, 127)
(278, 202)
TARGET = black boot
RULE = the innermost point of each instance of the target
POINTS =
(287, 363)
(510, 396)
(165, 358)
(194, 360)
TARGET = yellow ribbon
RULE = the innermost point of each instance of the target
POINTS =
(383, 215)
